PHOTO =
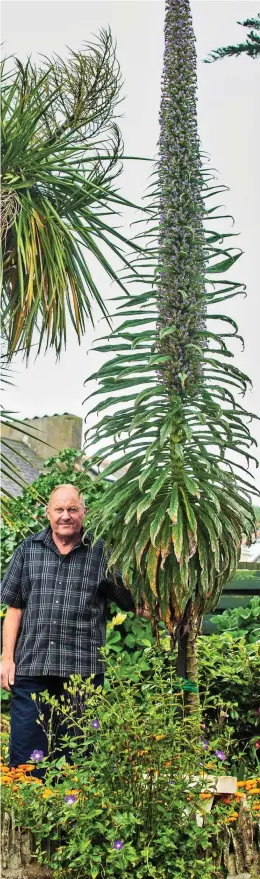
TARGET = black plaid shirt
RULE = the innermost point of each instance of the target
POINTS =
(64, 599)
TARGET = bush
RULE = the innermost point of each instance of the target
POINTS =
(129, 809)
(229, 670)
(229, 675)
(241, 621)
(25, 515)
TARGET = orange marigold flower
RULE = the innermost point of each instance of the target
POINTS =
(241, 784)
(205, 796)
(254, 790)
(232, 817)
(226, 799)
(72, 793)
(26, 767)
(46, 793)
(239, 795)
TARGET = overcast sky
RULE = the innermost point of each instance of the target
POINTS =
(228, 125)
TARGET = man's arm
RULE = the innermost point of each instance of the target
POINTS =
(114, 589)
(12, 595)
(11, 628)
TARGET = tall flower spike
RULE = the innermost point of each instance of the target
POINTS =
(181, 299)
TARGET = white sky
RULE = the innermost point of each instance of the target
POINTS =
(228, 125)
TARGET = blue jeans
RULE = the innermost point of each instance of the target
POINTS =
(26, 734)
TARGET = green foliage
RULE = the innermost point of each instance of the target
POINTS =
(25, 515)
(229, 673)
(251, 47)
(135, 787)
(241, 621)
(61, 150)
(167, 392)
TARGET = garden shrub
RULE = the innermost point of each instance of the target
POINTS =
(129, 808)
(229, 675)
(241, 621)
(229, 670)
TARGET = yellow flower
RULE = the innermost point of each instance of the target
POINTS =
(118, 619)
(46, 793)
(72, 793)
(161, 736)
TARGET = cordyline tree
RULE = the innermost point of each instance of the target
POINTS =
(251, 47)
(177, 515)
(61, 150)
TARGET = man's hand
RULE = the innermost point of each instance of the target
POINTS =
(7, 673)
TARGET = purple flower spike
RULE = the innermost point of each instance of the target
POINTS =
(95, 724)
(220, 755)
(36, 756)
(70, 799)
(118, 843)
(205, 745)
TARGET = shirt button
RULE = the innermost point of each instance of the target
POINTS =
(60, 582)
(56, 602)
(52, 642)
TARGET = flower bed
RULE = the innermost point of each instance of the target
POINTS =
(147, 800)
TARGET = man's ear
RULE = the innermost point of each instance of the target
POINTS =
(47, 512)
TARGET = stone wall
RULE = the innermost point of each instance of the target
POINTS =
(49, 434)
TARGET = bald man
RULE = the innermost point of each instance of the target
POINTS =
(56, 588)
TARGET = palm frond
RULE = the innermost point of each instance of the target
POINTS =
(61, 155)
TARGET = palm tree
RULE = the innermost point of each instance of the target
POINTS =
(251, 47)
(177, 514)
(61, 150)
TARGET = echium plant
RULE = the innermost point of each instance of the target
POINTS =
(177, 514)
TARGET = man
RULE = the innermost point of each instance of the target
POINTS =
(56, 589)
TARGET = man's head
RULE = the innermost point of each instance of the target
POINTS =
(65, 511)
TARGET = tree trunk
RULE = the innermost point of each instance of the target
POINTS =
(187, 660)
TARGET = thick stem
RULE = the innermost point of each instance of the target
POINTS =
(187, 661)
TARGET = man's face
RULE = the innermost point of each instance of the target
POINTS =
(66, 513)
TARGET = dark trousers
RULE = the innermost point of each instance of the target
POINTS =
(26, 734)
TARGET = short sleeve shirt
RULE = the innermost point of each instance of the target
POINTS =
(64, 603)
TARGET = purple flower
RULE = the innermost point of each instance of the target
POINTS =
(37, 755)
(118, 843)
(220, 755)
(204, 744)
(70, 799)
(95, 724)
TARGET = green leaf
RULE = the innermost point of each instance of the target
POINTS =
(143, 505)
(189, 512)
(151, 567)
(174, 504)
(177, 534)
(159, 482)
(158, 520)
